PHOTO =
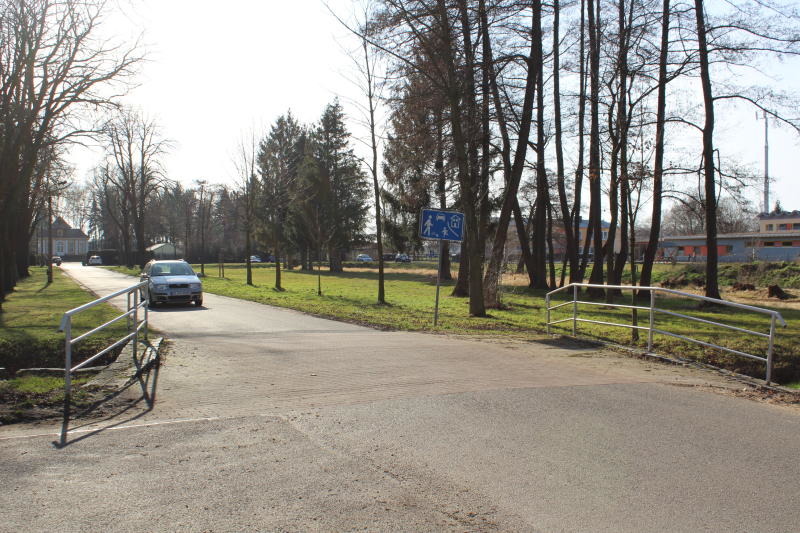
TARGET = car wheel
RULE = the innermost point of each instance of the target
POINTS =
(199, 303)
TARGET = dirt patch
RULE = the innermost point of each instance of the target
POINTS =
(756, 298)
(758, 394)
(16, 407)
(111, 390)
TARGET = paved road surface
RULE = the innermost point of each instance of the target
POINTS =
(272, 420)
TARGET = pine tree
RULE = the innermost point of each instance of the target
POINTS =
(345, 205)
(278, 162)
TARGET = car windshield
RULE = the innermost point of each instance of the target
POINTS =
(171, 269)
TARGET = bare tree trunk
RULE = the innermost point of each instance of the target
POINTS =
(523, 263)
(334, 259)
(577, 277)
(248, 251)
(613, 201)
(632, 245)
(374, 170)
(278, 253)
(658, 163)
(542, 186)
(550, 258)
(571, 253)
(594, 147)
(512, 183)
(461, 288)
(467, 174)
(615, 272)
(441, 183)
(712, 287)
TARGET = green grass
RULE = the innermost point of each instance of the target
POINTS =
(40, 384)
(410, 292)
(29, 335)
(35, 397)
(794, 385)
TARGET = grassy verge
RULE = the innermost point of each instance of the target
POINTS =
(410, 291)
(29, 338)
(29, 335)
(35, 397)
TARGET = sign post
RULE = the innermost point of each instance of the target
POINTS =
(440, 226)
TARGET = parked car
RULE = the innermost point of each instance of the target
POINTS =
(388, 257)
(255, 259)
(95, 260)
(364, 258)
(56, 260)
(402, 258)
(171, 282)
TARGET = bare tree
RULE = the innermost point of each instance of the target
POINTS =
(52, 68)
(513, 169)
(366, 65)
(245, 163)
(135, 146)
(205, 203)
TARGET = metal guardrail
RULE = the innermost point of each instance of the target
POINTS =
(775, 318)
(135, 325)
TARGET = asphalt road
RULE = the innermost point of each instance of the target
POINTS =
(271, 420)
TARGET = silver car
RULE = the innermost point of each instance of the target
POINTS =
(171, 282)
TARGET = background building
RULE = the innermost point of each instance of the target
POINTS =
(69, 243)
(778, 239)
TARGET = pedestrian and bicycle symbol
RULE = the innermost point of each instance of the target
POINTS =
(441, 225)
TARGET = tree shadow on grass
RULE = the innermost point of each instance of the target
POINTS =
(373, 276)
(45, 286)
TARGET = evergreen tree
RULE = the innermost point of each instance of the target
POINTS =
(278, 160)
(345, 205)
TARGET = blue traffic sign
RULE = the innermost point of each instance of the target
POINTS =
(442, 225)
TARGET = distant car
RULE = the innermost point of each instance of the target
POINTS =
(255, 259)
(388, 257)
(171, 282)
(95, 260)
(364, 258)
(56, 260)
(402, 258)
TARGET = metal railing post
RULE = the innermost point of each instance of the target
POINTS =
(574, 310)
(146, 322)
(770, 349)
(775, 319)
(652, 320)
(128, 320)
(547, 307)
(135, 323)
(67, 379)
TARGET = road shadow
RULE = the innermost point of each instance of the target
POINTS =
(176, 308)
(147, 362)
(571, 343)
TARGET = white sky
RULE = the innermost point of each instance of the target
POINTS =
(218, 69)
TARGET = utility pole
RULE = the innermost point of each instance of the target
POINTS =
(766, 162)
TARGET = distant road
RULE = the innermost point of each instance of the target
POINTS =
(268, 419)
